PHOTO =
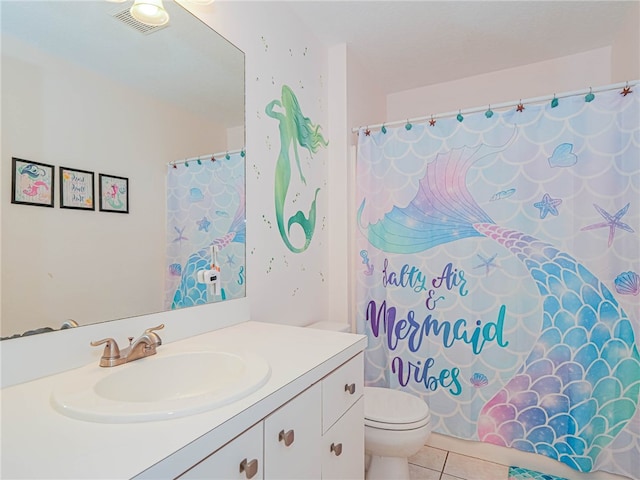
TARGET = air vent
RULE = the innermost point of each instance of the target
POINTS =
(125, 17)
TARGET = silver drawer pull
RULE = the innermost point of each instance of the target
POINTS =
(336, 448)
(287, 437)
(351, 388)
(249, 468)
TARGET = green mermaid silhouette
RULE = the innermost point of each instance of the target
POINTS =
(295, 129)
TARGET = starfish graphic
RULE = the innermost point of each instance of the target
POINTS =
(432, 122)
(367, 132)
(520, 107)
(487, 263)
(548, 205)
(230, 260)
(203, 224)
(612, 221)
(180, 236)
(626, 91)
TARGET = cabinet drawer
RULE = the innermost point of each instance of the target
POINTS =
(341, 389)
(343, 446)
(225, 463)
(292, 438)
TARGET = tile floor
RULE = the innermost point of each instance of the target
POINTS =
(435, 464)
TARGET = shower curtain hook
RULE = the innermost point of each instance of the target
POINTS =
(589, 96)
(432, 122)
(489, 112)
(213, 158)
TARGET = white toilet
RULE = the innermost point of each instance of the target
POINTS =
(396, 425)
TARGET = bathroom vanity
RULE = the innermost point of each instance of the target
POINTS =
(304, 421)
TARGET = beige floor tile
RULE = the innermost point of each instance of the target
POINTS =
(474, 468)
(450, 477)
(419, 473)
(429, 457)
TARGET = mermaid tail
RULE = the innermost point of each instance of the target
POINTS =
(578, 388)
(442, 211)
(580, 385)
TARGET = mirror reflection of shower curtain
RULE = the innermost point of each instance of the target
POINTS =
(499, 274)
(205, 206)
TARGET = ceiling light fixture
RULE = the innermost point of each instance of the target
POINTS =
(149, 12)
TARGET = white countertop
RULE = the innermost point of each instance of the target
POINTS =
(38, 442)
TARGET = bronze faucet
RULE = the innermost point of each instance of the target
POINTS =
(143, 346)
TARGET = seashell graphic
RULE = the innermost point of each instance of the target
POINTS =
(628, 283)
(175, 269)
(479, 380)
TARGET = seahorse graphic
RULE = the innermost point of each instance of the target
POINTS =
(579, 386)
(295, 129)
(190, 292)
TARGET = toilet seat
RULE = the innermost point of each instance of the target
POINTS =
(389, 409)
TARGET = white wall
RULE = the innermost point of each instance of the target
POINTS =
(625, 62)
(565, 74)
(57, 113)
(282, 286)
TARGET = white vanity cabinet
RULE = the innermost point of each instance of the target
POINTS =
(239, 459)
(292, 438)
(317, 434)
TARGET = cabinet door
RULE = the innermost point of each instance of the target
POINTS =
(341, 389)
(343, 446)
(239, 459)
(292, 437)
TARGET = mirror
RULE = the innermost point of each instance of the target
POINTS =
(88, 96)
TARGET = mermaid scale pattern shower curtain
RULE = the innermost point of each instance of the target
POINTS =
(497, 278)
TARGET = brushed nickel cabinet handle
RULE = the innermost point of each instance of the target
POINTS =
(351, 388)
(336, 448)
(287, 437)
(250, 468)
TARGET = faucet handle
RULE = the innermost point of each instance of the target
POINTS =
(152, 330)
(111, 351)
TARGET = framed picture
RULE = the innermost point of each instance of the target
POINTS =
(114, 194)
(32, 183)
(76, 189)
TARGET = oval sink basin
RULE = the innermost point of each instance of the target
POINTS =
(160, 387)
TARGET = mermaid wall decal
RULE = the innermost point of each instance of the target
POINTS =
(578, 387)
(295, 130)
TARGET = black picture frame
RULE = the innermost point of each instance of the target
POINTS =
(76, 189)
(32, 183)
(114, 193)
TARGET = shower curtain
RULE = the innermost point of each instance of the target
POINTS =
(498, 260)
(205, 206)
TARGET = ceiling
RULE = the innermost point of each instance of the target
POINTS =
(451, 40)
(186, 63)
(409, 44)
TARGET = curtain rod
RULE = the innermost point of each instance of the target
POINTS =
(503, 105)
(206, 156)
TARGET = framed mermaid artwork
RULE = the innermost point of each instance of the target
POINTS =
(32, 183)
(76, 189)
(114, 193)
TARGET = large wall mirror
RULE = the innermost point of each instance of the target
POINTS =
(154, 119)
